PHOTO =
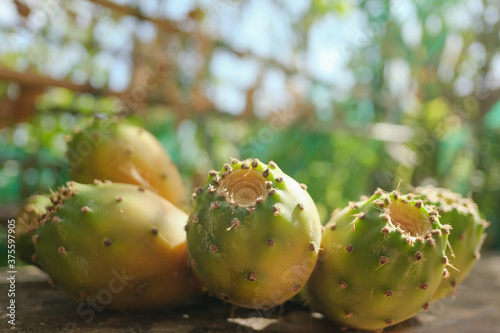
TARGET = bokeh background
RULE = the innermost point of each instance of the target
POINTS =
(346, 96)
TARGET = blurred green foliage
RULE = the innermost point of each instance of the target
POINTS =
(411, 97)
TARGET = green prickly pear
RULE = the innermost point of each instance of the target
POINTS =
(253, 234)
(116, 245)
(466, 237)
(124, 153)
(382, 260)
(26, 223)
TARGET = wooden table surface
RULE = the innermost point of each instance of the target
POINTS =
(43, 309)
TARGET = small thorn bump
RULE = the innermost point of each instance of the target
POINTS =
(228, 168)
(386, 230)
(304, 187)
(61, 250)
(361, 216)
(212, 173)
(108, 242)
(312, 246)
(251, 276)
(215, 205)
(388, 321)
(276, 210)
(255, 163)
(297, 287)
(56, 219)
(213, 248)
(272, 164)
(436, 232)
(270, 242)
(154, 230)
(348, 314)
(423, 285)
(426, 307)
(395, 194)
(418, 256)
(333, 226)
(271, 192)
(431, 241)
(224, 296)
(235, 223)
(141, 189)
(301, 206)
(279, 180)
(383, 260)
(85, 210)
(419, 203)
(349, 248)
(34, 239)
(118, 198)
(342, 285)
(194, 264)
(446, 274)
(196, 218)
(388, 293)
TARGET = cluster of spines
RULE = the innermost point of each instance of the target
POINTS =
(273, 184)
(384, 201)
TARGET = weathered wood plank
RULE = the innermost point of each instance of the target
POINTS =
(43, 309)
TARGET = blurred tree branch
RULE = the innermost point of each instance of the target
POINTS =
(170, 26)
(126, 10)
(32, 79)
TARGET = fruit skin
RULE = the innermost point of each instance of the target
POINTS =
(371, 273)
(124, 153)
(26, 223)
(116, 245)
(256, 244)
(466, 237)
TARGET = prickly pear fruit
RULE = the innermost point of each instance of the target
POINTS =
(116, 246)
(124, 153)
(382, 260)
(466, 237)
(26, 223)
(253, 234)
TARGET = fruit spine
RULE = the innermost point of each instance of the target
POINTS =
(115, 244)
(383, 259)
(120, 152)
(253, 234)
